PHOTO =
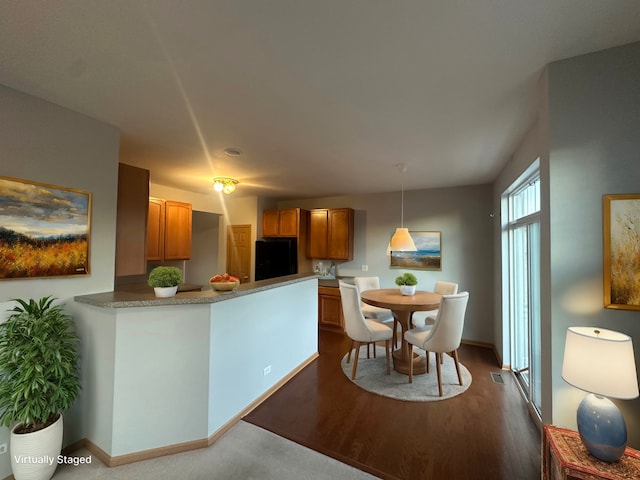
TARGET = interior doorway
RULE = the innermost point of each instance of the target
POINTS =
(239, 252)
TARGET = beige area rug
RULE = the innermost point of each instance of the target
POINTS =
(371, 375)
(245, 452)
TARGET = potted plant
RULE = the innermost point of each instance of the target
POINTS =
(165, 281)
(407, 283)
(39, 379)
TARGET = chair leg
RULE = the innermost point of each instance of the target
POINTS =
(438, 359)
(349, 356)
(427, 358)
(355, 361)
(374, 349)
(386, 352)
(410, 363)
(454, 354)
(395, 334)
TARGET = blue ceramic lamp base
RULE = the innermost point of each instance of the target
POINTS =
(602, 428)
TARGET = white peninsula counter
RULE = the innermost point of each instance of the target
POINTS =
(166, 375)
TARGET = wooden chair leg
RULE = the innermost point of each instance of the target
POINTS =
(426, 354)
(454, 354)
(374, 350)
(349, 356)
(386, 352)
(438, 359)
(355, 361)
(410, 362)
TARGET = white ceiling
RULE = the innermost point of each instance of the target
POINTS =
(323, 97)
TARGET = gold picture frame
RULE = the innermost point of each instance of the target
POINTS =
(621, 251)
(44, 230)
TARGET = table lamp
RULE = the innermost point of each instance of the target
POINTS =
(601, 362)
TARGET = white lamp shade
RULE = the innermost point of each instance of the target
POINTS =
(402, 241)
(600, 361)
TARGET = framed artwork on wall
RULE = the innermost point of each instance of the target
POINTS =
(621, 255)
(427, 257)
(44, 230)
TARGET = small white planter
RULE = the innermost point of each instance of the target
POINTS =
(164, 292)
(408, 290)
(34, 456)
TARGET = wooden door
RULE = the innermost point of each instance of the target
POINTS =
(289, 222)
(270, 223)
(155, 230)
(340, 234)
(239, 252)
(177, 230)
(318, 233)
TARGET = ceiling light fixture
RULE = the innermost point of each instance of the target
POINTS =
(401, 240)
(232, 151)
(225, 184)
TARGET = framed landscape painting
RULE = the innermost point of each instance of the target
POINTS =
(621, 255)
(427, 257)
(44, 230)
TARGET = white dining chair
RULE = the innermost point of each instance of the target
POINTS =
(420, 319)
(372, 312)
(444, 336)
(359, 329)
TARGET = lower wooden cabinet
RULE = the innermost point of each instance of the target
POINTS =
(330, 308)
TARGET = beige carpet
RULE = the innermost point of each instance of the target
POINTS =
(371, 375)
(245, 452)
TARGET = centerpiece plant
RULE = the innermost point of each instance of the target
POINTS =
(407, 283)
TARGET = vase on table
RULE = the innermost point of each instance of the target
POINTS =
(408, 289)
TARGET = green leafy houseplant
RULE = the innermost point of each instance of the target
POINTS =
(165, 277)
(39, 373)
(406, 279)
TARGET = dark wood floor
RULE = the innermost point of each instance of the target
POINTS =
(485, 433)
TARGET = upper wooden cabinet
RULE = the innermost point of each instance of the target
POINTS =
(168, 230)
(131, 236)
(331, 234)
(282, 223)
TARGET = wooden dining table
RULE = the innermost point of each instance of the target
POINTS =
(402, 308)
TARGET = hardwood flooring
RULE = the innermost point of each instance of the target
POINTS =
(485, 433)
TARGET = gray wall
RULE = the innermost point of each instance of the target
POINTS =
(594, 107)
(462, 215)
(42, 142)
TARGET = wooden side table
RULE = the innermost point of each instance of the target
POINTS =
(565, 457)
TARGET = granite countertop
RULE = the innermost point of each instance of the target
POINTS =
(127, 299)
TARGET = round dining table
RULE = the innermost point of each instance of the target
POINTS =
(402, 308)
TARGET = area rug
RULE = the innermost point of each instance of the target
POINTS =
(371, 375)
(245, 452)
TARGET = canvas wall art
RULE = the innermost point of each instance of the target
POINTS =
(44, 230)
(427, 257)
(621, 255)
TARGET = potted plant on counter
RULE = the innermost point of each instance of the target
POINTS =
(39, 379)
(407, 283)
(165, 281)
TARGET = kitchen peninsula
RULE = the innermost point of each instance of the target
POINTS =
(163, 375)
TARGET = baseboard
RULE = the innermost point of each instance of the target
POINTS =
(486, 345)
(194, 444)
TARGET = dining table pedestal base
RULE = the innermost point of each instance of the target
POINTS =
(401, 363)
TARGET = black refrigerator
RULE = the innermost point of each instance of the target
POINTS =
(276, 257)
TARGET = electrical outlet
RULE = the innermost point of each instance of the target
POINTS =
(3, 448)
(267, 370)
(365, 268)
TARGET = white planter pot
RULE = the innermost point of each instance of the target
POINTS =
(34, 456)
(165, 291)
(408, 290)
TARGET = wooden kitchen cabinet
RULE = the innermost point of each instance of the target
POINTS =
(282, 223)
(330, 308)
(331, 233)
(168, 230)
(131, 235)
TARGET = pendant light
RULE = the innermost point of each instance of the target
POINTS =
(401, 240)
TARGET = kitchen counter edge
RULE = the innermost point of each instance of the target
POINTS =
(132, 300)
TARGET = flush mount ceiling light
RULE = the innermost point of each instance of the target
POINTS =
(225, 184)
(232, 151)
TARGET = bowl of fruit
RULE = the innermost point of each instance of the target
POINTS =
(224, 282)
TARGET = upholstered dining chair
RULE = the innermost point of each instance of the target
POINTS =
(359, 329)
(444, 336)
(378, 314)
(420, 319)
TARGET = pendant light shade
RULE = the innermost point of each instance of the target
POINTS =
(402, 241)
